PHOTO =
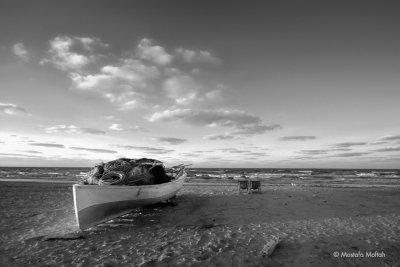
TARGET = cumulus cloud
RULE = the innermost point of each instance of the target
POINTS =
(126, 83)
(72, 129)
(298, 138)
(169, 140)
(12, 109)
(94, 150)
(349, 144)
(192, 56)
(20, 51)
(182, 88)
(241, 121)
(153, 53)
(133, 81)
(116, 127)
(72, 53)
(47, 145)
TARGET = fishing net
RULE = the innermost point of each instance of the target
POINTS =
(117, 165)
(139, 175)
(125, 171)
(93, 176)
(113, 178)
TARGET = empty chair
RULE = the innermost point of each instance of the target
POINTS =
(255, 186)
(243, 186)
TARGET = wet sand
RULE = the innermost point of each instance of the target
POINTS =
(212, 225)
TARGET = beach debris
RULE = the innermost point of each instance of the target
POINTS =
(126, 171)
(68, 236)
(270, 246)
(54, 237)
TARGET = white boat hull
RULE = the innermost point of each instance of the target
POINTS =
(97, 204)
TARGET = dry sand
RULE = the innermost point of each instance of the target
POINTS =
(212, 225)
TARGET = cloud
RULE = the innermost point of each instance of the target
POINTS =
(298, 138)
(378, 142)
(350, 154)
(63, 52)
(388, 149)
(182, 88)
(72, 129)
(261, 154)
(257, 129)
(11, 109)
(349, 144)
(134, 80)
(16, 155)
(20, 51)
(169, 140)
(233, 150)
(47, 145)
(32, 151)
(119, 127)
(94, 150)
(192, 56)
(145, 149)
(127, 84)
(241, 121)
(225, 136)
(314, 151)
(116, 127)
(391, 138)
(153, 53)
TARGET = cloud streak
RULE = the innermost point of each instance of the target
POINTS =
(72, 129)
(242, 122)
(97, 150)
(387, 149)
(298, 138)
(350, 144)
(12, 109)
(48, 145)
(391, 138)
(145, 149)
(350, 154)
(169, 140)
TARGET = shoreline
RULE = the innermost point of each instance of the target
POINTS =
(216, 182)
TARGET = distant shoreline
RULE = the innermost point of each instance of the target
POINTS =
(209, 183)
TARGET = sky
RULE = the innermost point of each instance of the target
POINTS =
(273, 84)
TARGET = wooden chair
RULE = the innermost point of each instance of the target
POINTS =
(255, 186)
(243, 186)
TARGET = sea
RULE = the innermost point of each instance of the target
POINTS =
(274, 176)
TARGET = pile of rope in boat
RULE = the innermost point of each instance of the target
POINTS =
(125, 171)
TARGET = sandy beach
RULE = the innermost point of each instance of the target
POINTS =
(212, 225)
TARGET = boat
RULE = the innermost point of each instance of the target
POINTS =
(98, 204)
